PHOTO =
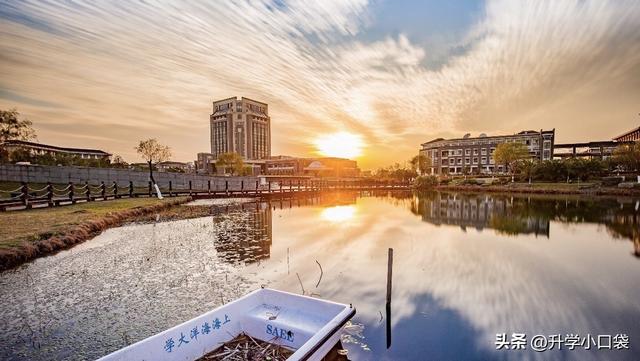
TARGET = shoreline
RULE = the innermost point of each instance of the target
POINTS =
(49, 244)
(528, 189)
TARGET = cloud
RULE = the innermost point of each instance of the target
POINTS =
(156, 67)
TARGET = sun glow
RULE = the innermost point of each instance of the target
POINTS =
(342, 144)
(338, 214)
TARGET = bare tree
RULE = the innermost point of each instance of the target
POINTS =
(153, 152)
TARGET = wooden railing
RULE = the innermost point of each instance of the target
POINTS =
(27, 197)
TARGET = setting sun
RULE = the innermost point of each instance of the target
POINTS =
(342, 144)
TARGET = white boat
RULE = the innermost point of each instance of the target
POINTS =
(310, 326)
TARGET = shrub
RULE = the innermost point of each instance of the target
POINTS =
(425, 182)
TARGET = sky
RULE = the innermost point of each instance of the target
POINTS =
(393, 74)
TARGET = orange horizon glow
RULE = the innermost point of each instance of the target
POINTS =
(341, 145)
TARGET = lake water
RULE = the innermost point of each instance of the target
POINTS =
(466, 267)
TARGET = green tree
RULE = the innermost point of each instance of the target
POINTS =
(153, 152)
(230, 163)
(526, 167)
(508, 154)
(420, 163)
(12, 127)
(627, 156)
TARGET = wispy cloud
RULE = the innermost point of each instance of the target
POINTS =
(153, 69)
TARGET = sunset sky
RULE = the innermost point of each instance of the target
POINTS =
(391, 74)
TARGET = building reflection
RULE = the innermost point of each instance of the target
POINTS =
(503, 214)
(513, 215)
(243, 232)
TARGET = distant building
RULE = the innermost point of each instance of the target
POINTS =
(242, 126)
(171, 166)
(318, 167)
(205, 163)
(591, 150)
(42, 149)
(631, 136)
(474, 155)
(596, 149)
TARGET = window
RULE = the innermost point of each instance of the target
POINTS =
(484, 151)
(467, 152)
(459, 160)
(467, 161)
(475, 151)
(484, 160)
(475, 160)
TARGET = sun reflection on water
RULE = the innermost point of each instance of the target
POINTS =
(338, 214)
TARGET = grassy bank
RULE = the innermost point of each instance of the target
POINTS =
(25, 235)
(546, 188)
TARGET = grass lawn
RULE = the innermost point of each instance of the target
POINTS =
(17, 227)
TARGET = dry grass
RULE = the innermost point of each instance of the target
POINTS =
(25, 235)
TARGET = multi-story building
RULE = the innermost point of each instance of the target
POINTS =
(242, 126)
(474, 155)
(41, 149)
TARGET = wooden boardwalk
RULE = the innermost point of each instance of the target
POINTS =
(26, 197)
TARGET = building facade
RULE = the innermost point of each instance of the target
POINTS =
(317, 167)
(172, 166)
(242, 126)
(205, 163)
(42, 149)
(474, 155)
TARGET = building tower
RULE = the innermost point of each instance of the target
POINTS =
(242, 126)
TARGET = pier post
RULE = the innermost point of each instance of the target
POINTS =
(130, 189)
(49, 194)
(71, 193)
(24, 194)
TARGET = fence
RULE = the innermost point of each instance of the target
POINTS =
(26, 197)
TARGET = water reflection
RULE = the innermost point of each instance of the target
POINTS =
(466, 266)
(515, 215)
(338, 214)
(243, 235)
(504, 214)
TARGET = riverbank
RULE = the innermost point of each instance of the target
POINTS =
(592, 189)
(26, 235)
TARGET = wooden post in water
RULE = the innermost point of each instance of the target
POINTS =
(388, 305)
